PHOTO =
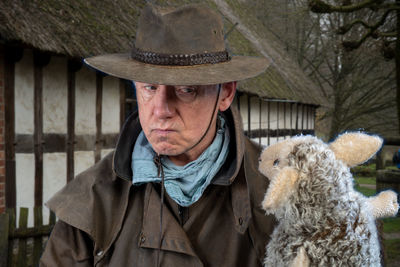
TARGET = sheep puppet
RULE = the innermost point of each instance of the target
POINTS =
(322, 220)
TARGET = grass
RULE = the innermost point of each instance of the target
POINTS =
(392, 248)
(391, 225)
(365, 180)
(365, 191)
(363, 175)
(392, 168)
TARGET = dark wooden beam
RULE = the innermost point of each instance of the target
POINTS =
(314, 115)
(277, 133)
(54, 143)
(73, 67)
(277, 119)
(122, 103)
(40, 60)
(13, 53)
(269, 120)
(99, 102)
(4, 232)
(284, 117)
(297, 116)
(249, 115)
(259, 117)
(9, 113)
(392, 140)
(291, 118)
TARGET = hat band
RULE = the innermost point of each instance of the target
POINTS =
(179, 59)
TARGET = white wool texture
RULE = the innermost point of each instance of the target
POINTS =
(324, 214)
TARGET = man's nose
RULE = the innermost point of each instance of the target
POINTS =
(164, 102)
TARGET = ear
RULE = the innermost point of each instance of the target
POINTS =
(355, 148)
(280, 188)
(228, 91)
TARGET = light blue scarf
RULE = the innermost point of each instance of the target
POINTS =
(184, 184)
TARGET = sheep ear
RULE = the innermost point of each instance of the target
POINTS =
(280, 188)
(355, 148)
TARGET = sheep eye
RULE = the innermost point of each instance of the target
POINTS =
(276, 162)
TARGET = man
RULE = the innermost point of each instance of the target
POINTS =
(182, 187)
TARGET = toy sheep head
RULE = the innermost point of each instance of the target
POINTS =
(322, 220)
(289, 161)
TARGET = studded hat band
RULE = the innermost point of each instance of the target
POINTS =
(179, 59)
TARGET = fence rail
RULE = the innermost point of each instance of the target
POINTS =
(22, 246)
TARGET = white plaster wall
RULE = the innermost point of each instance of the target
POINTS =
(310, 118)
(282, 116)
(244, 111)
(54, 177)
(284, 119)
(82, 161)
(110, 105)
(104, 152)
(255, 113)
(264, 140)
(85, 102)
(25, 183)
(24, 94)
(272, 115)
(55, 96)
(300, 114)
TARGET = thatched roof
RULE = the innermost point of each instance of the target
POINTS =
(82, 28)
(77, 28)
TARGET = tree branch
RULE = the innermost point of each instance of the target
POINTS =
(319, 6)
(344, 29)
(351, 45)
(386, 34)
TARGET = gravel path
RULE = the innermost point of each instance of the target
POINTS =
(370, 186)
(389, 236)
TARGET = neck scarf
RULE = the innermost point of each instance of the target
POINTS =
(184, 184)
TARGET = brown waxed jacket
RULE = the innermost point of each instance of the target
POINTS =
(106, 221)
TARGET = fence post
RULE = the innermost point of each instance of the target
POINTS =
(380, 161)
(3, 239)
(11, 261)
(23, 224)
(37, 243)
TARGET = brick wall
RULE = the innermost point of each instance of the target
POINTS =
(2, 133)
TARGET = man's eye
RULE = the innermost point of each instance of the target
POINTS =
(150, 87)
(186, 90)
(186, 93)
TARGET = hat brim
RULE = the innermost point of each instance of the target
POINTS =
(123, 66)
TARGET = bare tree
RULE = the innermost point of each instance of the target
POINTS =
(373, 19)
(359, 83)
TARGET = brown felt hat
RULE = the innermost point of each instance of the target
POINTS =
(180, 46)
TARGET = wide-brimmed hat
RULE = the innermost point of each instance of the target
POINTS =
(180, 46)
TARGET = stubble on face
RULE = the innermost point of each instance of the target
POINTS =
(171, 126)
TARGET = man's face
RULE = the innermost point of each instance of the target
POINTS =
(174, 118)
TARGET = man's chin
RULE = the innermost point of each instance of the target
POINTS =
(166, 150)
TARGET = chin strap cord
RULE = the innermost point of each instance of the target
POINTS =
(160, 173)
(209, 125)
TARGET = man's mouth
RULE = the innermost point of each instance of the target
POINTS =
(160, 131)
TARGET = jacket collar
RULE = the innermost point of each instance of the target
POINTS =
(132, 128)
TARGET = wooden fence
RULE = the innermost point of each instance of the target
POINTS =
(21, 245)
